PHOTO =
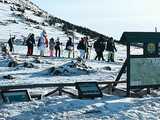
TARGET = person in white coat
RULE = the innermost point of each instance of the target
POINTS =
(43, 42)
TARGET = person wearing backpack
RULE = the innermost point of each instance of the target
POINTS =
(42, 42)
(30, 44)
(69, 46)
(99, 47)
(111, 49)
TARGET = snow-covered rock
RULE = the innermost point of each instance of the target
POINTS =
(71, 68)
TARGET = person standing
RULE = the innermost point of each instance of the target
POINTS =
(57, 48)
(30, 44)
(43, 42)
(69, 46)
(51, 47)
(82, 48)
(111, 49)
(87, 47)
(99, 47)
(10, 43)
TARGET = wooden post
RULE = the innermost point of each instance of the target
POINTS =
(128, 69)
(120, 73)
(60, 90)
(148, 91)
(110, 88)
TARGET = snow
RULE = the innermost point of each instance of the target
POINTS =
(109, 107)
(106, 108)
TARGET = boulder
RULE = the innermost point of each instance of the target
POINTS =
(107, 68)
(37, 60)
(12, 63)
(71, 68)
(28, 65)
(8, 77)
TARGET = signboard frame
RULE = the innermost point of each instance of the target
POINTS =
(88, 93)
(15, 96)
(141, 86)
(146, 39)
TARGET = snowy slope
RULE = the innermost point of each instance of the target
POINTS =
(109, 107)
(12, 24)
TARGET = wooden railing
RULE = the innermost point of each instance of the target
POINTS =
(60, 87)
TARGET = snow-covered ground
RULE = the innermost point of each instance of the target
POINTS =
(28, 75)
(109, 107)
(65, 108)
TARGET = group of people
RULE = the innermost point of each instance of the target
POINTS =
(55, 46)
(100, 47)
(83, 47)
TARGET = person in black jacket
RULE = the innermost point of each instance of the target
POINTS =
(87, 47)
(57, 48)
(82, 48)
(10, 43)
(99, 47)
(30, 44)
(69, 46)
(111, 49)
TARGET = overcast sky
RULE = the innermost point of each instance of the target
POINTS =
(109, 17)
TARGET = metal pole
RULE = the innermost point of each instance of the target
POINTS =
(73, 45)
(155, 29)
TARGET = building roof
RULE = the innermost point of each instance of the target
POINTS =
(140, 37)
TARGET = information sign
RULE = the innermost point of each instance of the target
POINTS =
(88, 90)
(15, 96)
(144, 72)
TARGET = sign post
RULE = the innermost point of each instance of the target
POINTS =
(143, 70)
(88, 90)
(15, 96)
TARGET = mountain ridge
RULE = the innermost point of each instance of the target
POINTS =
(49, 19)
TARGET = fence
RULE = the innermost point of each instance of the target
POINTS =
(60, 87)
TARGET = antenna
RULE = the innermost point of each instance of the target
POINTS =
(155, 29)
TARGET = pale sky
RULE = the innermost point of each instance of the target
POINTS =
(109, 17)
